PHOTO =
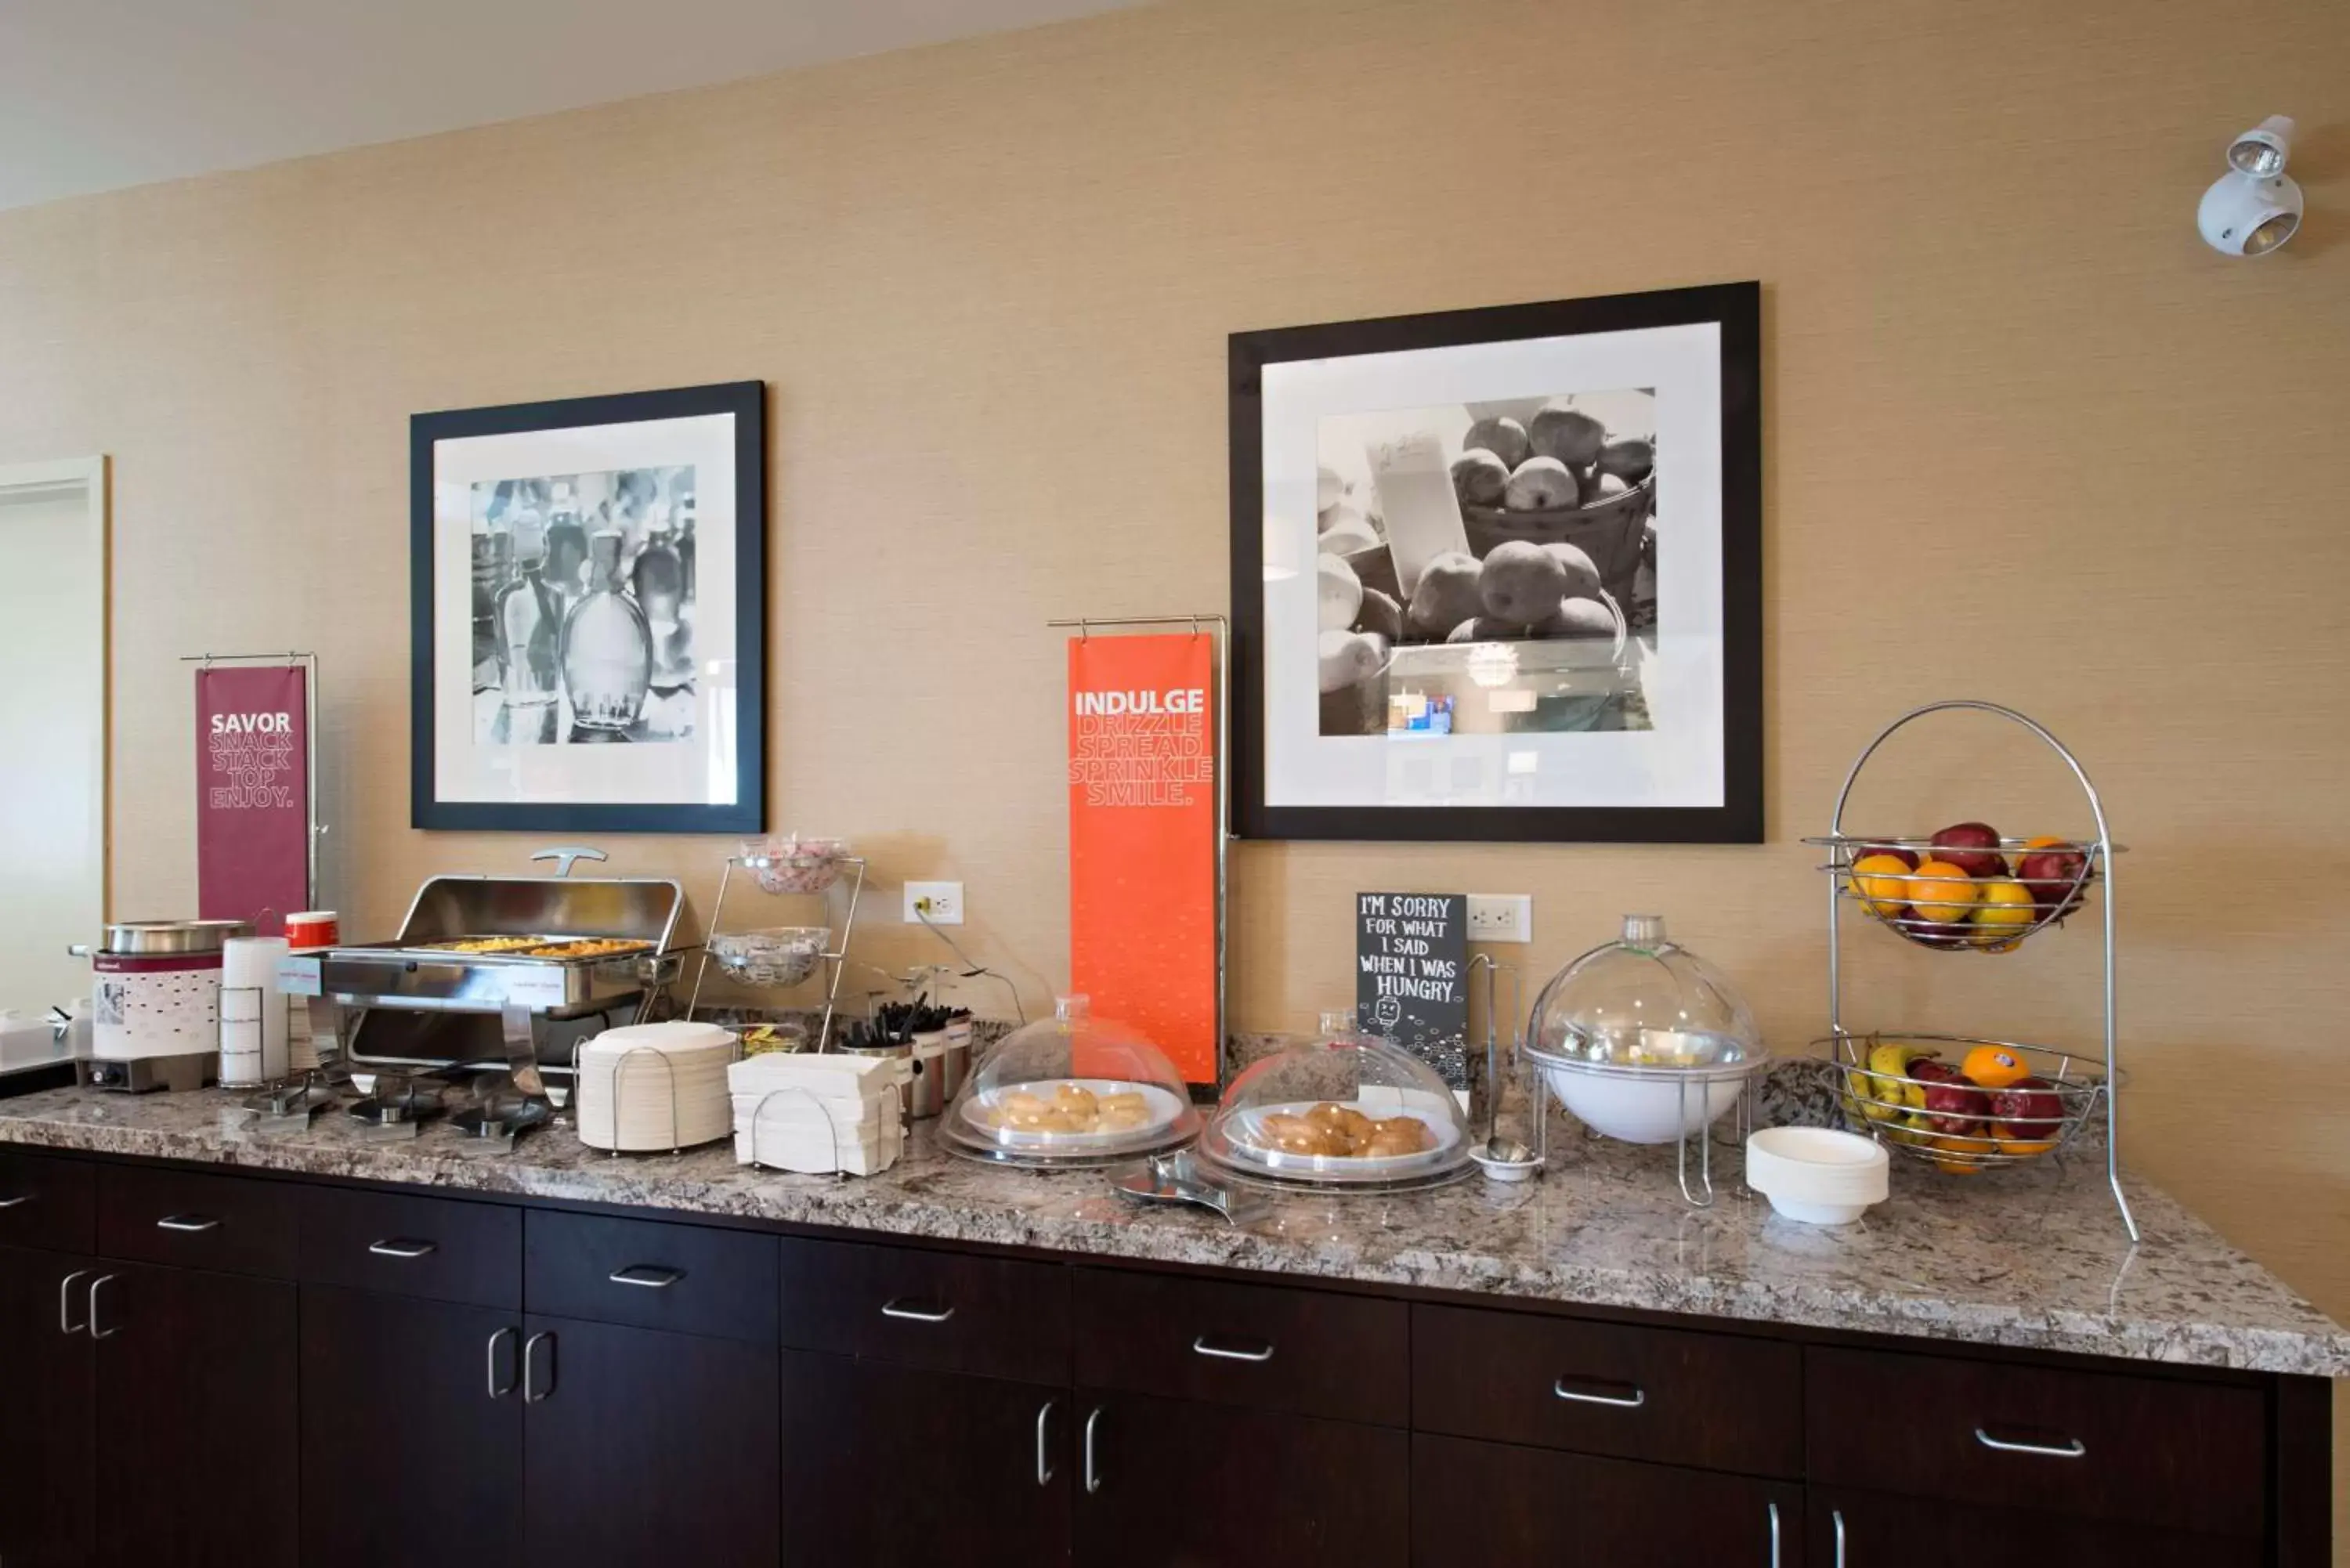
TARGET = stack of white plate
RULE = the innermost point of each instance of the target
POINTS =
(810, 1113)
(655, 1087)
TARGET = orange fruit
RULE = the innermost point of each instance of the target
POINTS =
(2046, 842)
(1940, 892)
(1883, 883)
(2011, 1142)
(1994, 1066)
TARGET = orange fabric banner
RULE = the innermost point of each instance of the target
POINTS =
(1142, 839)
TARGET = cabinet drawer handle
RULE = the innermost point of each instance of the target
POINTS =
(531, 1393)
(490, 1356)
(1632, 1401)
(12, 1202)
(2070, 1449)
(911, 1310)
(401, 1248)
(187, 1224)
(1093, 1474)
(653, 1276)
(1204, 1346)
(96, 1285)
(1044, 1449)
(1835, 1517)
(65, 1323)
(1774, 1535)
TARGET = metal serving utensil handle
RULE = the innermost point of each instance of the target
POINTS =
(2070, 1449)
(566, 855)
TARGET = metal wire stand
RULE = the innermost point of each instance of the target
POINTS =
(838, 957)
(1845, 848)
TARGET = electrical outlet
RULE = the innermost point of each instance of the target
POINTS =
(940, 903)
(1500, 918)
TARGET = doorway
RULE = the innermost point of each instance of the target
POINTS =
(53, 728)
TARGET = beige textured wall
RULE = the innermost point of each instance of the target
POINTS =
(2026, 438)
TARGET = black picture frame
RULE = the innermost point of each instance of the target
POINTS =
(746, 402)
(1736, 309)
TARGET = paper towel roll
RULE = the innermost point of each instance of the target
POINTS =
(252, 1013)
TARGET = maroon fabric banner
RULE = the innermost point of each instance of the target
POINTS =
(253, 794)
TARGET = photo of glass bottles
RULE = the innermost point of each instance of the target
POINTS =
(584, 607)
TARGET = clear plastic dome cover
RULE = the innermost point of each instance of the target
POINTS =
(1645, 1002)
(1073, 1089)
(1344, 1109)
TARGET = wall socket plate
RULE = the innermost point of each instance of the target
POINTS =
(938, 902)
(1501, 917)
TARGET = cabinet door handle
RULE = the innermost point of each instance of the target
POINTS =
(96, 1285)
(2070, 1448)
(403, 1249)
(1044, 1449)
(12, 1202)
(65, 1323)
(1774, 1535)
(1093, 1473)
(911, 1309)
(1261, 1351)
(653, 1276)
(1632, 1401)
(490, 1356)
(531, 1393)
(187, 1224)
(1835, 1518)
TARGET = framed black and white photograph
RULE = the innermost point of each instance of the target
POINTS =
(1497, 572)
(589, 596)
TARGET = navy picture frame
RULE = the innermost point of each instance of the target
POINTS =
(746, 402)
(1736, 308)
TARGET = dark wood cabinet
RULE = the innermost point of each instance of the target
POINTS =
(425, 1396)
(202, 1370)
(1501, 1506)
(197, 1417)
(48, 1436)
(648, 1450)
(1874, 1530)
(1170, 1483)
(887, 1464)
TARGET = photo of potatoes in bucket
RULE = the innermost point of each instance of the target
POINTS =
(1488, 567)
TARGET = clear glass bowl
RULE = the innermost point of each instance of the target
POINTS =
(1642, 1040)
(1345, 1109)
(792, 864)
(781, 955)
(1071, 1090)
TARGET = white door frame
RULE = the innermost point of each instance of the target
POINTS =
(50, 481)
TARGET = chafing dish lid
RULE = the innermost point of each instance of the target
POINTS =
(161, 937)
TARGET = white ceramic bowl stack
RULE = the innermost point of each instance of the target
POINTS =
(815, 1112)
(653, 1087)
(1818, 1175)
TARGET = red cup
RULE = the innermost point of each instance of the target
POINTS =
(313, 928)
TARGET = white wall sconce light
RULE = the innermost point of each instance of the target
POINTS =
(2254, 207)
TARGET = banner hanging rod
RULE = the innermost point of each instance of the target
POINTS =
(1086, 623)
(288, 658)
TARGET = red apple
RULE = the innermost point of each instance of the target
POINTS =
(1958, 1110)
(2054, 877)
(2031, 1106)
(1972, 847)
(1862, 849)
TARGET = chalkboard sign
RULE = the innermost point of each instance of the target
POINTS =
(1412, 979)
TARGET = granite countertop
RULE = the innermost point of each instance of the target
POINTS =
(2032, 1257)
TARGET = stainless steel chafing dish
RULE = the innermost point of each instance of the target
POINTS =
(502, 972)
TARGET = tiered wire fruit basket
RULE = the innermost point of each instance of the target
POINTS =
(1962, 1103)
